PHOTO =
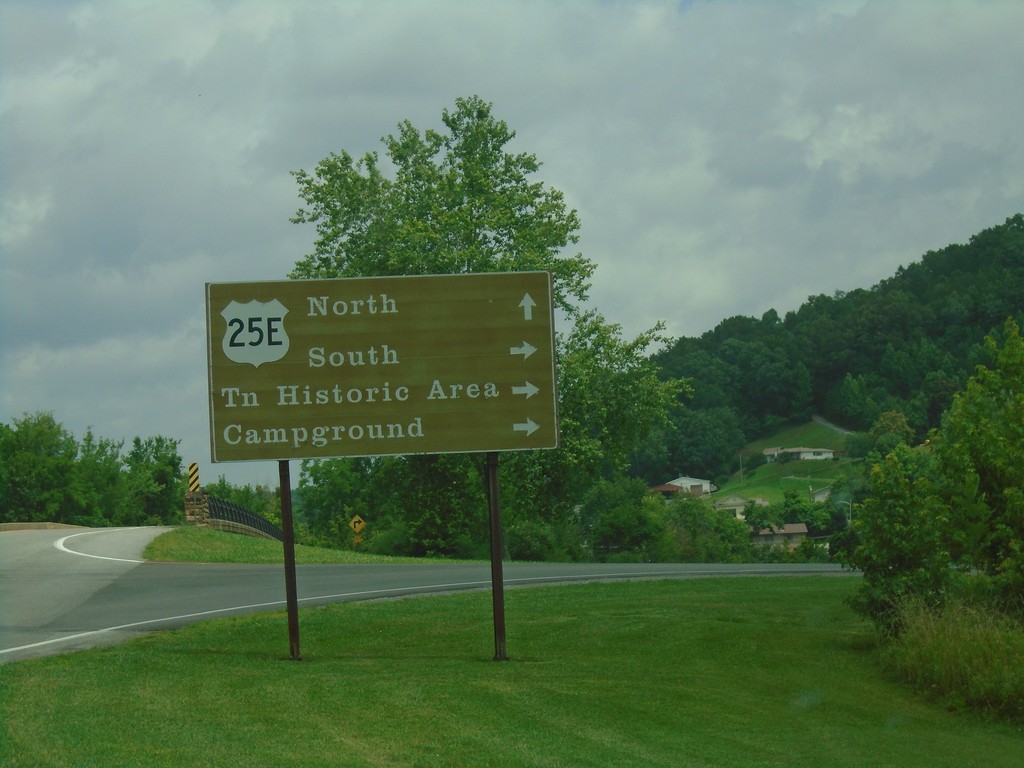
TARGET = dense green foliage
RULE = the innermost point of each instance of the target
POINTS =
(900, 545)
(46, 475)
(979, 454)
(907, 345)
(948, 519)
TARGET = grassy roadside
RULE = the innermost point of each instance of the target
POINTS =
(723, 672)
(192, 544)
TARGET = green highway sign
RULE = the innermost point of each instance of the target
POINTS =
(381, 366)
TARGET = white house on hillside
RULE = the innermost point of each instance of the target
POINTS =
(801, 454)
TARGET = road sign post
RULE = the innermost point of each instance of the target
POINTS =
(303, 369)
(497, 577)
(290, 583)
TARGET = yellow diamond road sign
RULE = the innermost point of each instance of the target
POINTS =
(381, 366)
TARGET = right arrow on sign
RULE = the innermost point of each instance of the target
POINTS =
(527, 389)
(525, 350)
(529, 426)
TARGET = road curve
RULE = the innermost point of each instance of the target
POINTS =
(66, 590)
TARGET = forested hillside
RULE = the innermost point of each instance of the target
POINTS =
(907, 344)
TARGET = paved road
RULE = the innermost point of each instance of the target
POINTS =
(62, 590)
(42, 580)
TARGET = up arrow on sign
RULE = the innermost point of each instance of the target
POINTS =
(527, 304)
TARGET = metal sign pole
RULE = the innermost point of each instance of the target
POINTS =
(291, 593)
(497, 578)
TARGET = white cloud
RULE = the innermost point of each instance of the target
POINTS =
(21, 215)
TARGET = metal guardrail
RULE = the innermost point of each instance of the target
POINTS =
(232, 513)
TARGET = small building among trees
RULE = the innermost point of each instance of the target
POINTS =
(789, 535)
(737, 505)
(694, 486)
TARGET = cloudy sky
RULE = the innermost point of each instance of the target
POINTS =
(725, 158)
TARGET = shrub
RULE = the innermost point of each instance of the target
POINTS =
(531, 540)
(968, 657)
(707, 535)
(898, 540)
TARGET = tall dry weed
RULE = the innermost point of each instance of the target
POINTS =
(968, 656)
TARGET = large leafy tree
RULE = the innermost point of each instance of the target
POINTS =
(458, 200)
(153, 477)
(611, 396)
(707, 535)
(37, 462)
(900, 545)
(980, 453)
(610, 399)
(97, 490)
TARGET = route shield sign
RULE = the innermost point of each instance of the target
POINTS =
(381, 366)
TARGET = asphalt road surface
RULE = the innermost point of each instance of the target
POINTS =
(62, 590)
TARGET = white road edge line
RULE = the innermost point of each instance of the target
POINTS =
(59, 545)
(215, 612)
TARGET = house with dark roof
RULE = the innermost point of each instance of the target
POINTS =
(789, 535)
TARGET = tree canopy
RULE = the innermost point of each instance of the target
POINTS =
(904, 346)
(47, 475)
(949, 516)
(456, 201)
(459, 200)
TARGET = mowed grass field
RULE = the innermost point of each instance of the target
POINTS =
(716, 672)
(195, 544)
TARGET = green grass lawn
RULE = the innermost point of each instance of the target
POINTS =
(716, 672)
(771, 481)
